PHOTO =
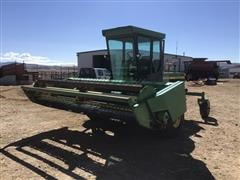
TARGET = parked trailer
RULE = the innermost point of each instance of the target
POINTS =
(199, 69)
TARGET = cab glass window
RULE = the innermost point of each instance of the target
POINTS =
(156, 55)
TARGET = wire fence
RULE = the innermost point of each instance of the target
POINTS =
(56, 72)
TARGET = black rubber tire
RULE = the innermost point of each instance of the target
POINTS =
(188, 77)
(211, 82)
(172, 130)
(204, 109)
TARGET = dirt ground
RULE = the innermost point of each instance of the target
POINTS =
(40, 142)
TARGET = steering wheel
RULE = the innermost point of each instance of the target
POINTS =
(130, 54)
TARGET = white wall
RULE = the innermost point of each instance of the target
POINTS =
(171, 59)
(85, 59)
(232, 71)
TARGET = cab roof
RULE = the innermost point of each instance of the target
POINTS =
(128, 31)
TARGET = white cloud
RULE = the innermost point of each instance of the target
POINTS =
(29, 59)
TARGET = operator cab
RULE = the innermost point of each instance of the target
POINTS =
(135, 54)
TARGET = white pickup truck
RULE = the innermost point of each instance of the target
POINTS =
(96, 73)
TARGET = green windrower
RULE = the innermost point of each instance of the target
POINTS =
(137, 90)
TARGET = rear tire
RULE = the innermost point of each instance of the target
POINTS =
(188, 77)
(211, 81)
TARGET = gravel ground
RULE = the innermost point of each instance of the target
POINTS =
(40, 142)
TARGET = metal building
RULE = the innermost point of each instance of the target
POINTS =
(97, 59)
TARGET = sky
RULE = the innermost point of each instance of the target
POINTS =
(53, 31)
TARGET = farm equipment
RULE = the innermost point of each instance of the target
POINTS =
(137, 90)
(201, 69)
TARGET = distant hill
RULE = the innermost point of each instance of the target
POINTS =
(47, 67)
(37, 67)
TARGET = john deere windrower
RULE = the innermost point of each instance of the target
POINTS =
(137, 90)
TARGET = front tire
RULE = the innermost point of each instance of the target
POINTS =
(204, 108)
(174, 127)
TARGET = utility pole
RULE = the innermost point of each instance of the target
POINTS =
(68, 71)
(176, 48)
(74, 70)
(61, 71)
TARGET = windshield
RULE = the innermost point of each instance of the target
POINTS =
(140, 59)
(121, 54)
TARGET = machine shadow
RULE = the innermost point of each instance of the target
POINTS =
(131, 153)
(210, 121)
